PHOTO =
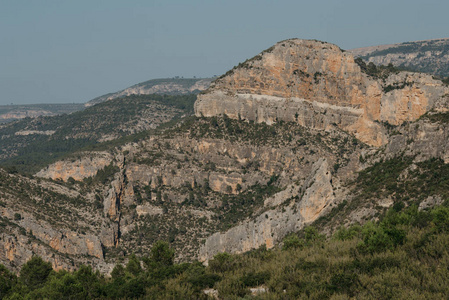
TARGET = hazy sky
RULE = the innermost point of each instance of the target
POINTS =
(55, 51)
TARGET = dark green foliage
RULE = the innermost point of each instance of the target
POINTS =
(255, 278)
(396, 86)
(34, 273)
(403, 255)
(381, 72)
(104, 175)
(222, 262)
(199, 278)
(440, 217)
(133, 266)
(118, 272)
(7, 281)
(381, 179)
(162, 254)
(292, 241)
(380, 238)
(440, 117)
(345, 234)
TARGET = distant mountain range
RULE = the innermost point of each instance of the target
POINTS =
(162, 86)
(428, 56)
(166, 86)
(10, 113)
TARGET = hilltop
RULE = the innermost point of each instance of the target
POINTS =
(428, 56)
(165, 86)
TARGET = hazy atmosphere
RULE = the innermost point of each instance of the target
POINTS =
(73, 51)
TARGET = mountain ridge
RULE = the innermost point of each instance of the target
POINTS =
(297, 135)
(429, 56)
(167, 86)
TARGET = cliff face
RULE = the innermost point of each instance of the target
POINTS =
(46, 219)
(294, 208)
(78, 169)
(318, 85)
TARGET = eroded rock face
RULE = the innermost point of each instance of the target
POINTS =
(78, 169)
(52, 221)
(315, 196)
(318, 85)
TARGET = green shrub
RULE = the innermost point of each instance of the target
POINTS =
(34, 273)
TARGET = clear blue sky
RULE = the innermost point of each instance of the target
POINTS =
(55, 51)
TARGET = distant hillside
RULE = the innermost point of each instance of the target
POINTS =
(33, 142)
(10, 113)
(429, 56)
(166, 86)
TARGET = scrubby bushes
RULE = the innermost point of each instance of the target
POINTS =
(405, 255)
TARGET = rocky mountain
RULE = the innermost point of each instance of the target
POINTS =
(300, 134)
(319, 86)
(428, 56)
(166, 86)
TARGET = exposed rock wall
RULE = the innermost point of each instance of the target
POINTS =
(78, 169)
(316, 194)
(318, 85)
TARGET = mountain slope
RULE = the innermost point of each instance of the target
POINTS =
(167, 86)
(10, 113)
(429, 56)
(301, 134)
(32, 143)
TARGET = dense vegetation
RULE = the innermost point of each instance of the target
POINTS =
(405, 255)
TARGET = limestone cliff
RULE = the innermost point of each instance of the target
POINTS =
(295, 207)
(318, 85)
(86, 166)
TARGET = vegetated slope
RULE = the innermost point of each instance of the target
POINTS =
(429, 56)
(165, 86)
(9, 113)
(403, 256)
(208, 175)
(274, 147)
(32, 143)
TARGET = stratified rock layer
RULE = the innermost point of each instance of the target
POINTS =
(318, 85)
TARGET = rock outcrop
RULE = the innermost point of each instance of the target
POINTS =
(295, 207)
(319, 86)
(86, 166)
